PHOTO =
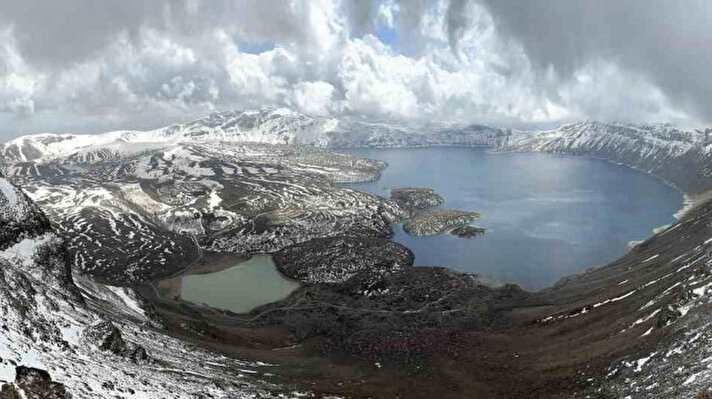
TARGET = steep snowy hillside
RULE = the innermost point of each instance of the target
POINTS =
(682, 157)
(644, 319)
(95, 341)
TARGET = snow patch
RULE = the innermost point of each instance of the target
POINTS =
(8, 191)
(24, 251)
(128, 297)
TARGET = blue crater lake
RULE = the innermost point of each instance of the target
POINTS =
(547, 215)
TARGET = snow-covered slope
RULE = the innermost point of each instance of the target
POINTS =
(650, 308)
(271, 126)
(93, 339)
(149, 211)
(18, 218)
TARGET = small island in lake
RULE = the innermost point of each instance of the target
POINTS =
(437, 221)
(468, 231)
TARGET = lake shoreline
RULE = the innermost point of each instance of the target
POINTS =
(690, 200)
(545, 215)
(238, 295)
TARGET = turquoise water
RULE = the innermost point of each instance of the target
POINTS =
(548, 215)
(240, 288)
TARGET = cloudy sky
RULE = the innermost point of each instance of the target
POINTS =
(90, 66)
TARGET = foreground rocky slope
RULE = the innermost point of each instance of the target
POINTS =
(52, 325)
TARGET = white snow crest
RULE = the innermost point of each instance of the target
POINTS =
(129, 298)
(8, 191)
(23, 253)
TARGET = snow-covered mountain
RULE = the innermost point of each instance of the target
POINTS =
(266, 126)
(682, 157)
(271, 126)
(663, 150)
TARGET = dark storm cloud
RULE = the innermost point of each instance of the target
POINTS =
(361, 14)
(670, 42)
(457, 21)
(51, 34)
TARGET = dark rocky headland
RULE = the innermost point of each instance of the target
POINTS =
(415, 198)
(468, 231)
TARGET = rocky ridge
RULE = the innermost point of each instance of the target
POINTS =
(681, 157)
(343, 260)
(415, 198)
(468, 231)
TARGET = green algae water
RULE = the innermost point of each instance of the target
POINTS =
(239, 288)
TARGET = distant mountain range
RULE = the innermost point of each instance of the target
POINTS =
(681, 157)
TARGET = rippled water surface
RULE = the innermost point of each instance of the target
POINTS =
(548, 215)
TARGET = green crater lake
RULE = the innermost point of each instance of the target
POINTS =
(239, 288)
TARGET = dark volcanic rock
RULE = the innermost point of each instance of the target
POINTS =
(437, 221)
(468, 231)
(108, 337)
(667, 315)
(19, 217)
(416, 197)
(32, 383)
(402, 317)
(336, 260)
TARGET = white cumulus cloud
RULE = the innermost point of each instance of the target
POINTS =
(145, 65)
